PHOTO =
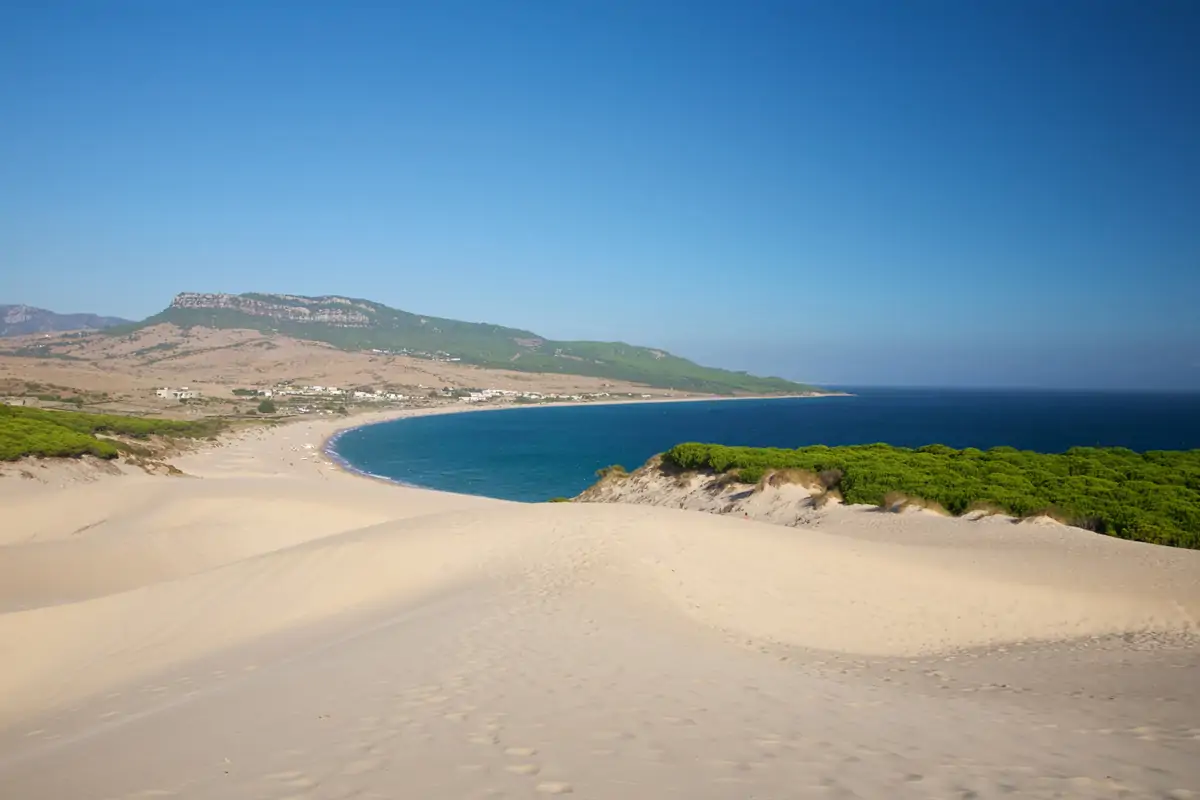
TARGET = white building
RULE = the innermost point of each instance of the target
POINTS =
(177, 394)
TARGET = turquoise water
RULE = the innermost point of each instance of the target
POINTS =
(533, 454)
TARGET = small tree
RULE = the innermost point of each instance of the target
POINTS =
(266, 407)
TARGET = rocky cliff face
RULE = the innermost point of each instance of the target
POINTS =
(338, 311)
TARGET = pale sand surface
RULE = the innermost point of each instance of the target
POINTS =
(272, 627)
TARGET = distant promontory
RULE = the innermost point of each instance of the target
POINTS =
(355, 324)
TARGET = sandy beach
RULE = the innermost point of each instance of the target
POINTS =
(271, 626)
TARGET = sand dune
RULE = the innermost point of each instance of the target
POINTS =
(273, 627)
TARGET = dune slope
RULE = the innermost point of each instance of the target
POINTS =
(276, 628)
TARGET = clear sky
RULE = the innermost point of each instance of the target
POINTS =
(934, 193)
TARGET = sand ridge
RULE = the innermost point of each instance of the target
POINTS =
(272, 626)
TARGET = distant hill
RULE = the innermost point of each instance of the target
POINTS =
(353, 324)
(24, 320)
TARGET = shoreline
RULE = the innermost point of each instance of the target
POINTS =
(327, 446)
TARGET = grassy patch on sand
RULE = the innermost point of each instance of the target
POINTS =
(1149, 497)
(42, 432)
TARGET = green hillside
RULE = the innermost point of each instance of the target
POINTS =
(363, 325)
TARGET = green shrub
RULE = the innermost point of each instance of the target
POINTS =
(614, 471)
(266, 406)
(42, 432)
(1150, 497)
(24, 437)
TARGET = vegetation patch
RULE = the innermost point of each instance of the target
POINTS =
(41, 432)
(1150, 497)
(899, 501)
(52, 393)
(783, 477)
(724, 481)
(822, 499)
(155, 348)
(614, 472)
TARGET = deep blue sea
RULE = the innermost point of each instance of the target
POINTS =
(533, 454)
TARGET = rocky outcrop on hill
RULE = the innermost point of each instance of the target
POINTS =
(338, 311)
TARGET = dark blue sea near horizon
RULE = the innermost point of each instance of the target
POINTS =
(533, 454)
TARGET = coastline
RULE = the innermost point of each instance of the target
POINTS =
(328, 443)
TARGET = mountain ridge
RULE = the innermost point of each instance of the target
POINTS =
(359, 324)
(22, 320)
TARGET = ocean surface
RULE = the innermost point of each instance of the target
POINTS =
(533, 454)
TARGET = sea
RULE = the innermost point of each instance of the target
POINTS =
(533, 454)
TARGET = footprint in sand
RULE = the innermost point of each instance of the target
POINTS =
(682, 721)
(523, 769)
(283, 776)
(554, 787)
(520, 751)
(363, 765)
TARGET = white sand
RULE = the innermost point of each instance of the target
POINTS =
(274, 627)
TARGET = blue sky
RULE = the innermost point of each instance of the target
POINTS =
(934, 193)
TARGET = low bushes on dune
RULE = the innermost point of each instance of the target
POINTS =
(28, 437)
(42, 432)
(613, 472)
(1151, 497)
(822, 499)
(788, 476)
(899, 501)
